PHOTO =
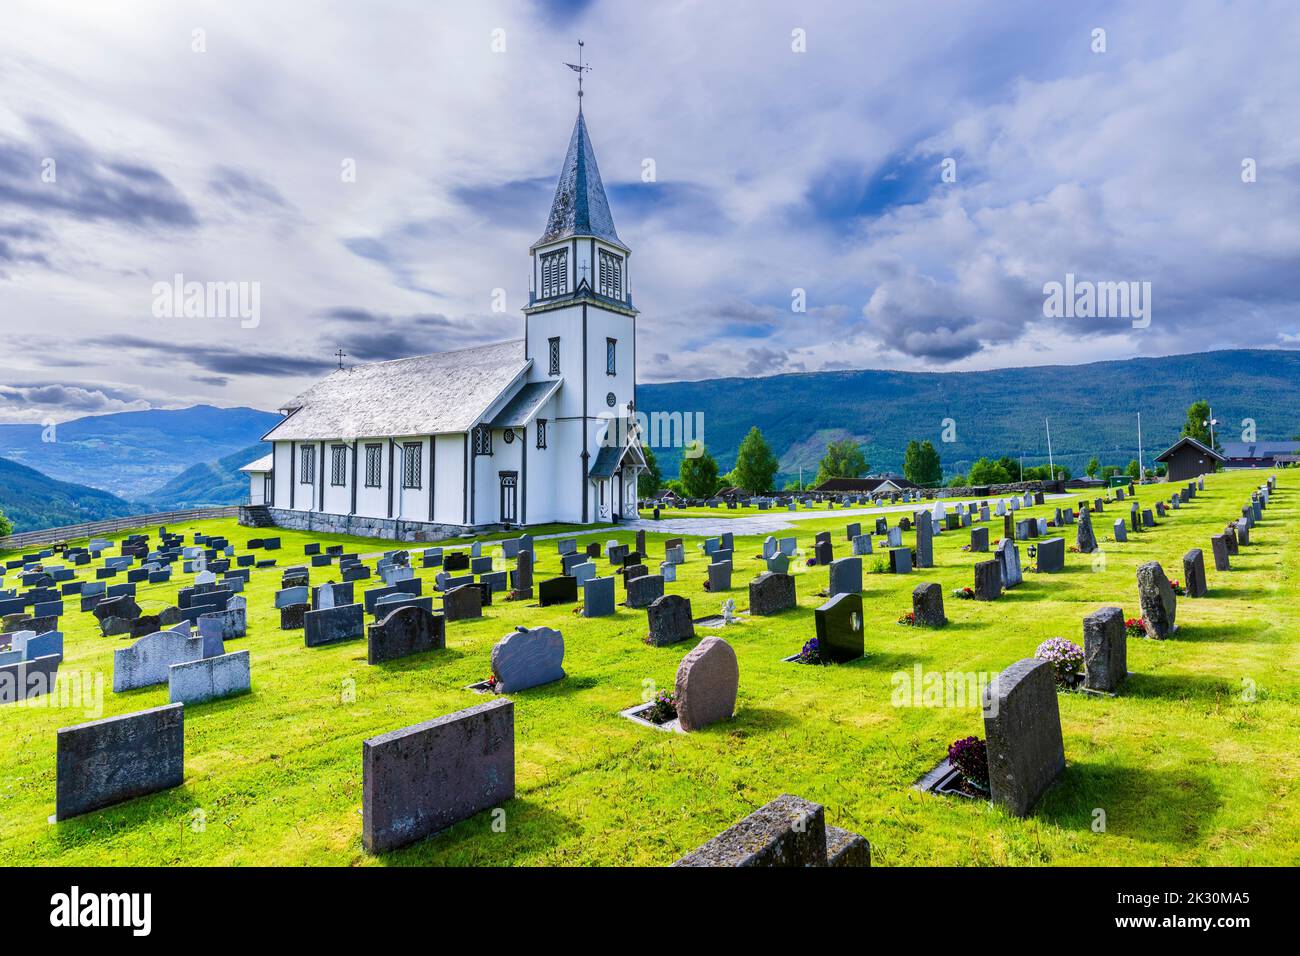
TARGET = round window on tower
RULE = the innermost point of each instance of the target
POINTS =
(611, 400)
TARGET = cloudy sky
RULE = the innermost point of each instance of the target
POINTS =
(794, 146)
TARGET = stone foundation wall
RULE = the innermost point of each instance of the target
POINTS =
(396, 529)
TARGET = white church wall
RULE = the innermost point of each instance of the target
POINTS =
(449, 478)
(338, 498)
(412, 504)
(373, 502)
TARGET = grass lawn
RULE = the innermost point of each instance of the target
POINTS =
(1188, 765)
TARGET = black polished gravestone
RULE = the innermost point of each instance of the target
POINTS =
(839, 628)
(561, 590)
(455, 561)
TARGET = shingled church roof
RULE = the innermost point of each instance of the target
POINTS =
(425, 395)
(580, 207)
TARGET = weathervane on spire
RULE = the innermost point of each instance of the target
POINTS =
(579, 68)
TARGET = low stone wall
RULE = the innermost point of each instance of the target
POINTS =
(396, 529)
(74, 532)
(997, 491)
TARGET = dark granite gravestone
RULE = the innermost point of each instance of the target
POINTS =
(645, 590)
(1158, 601)
(292, 616)
(1230, 538)
(1084, 537)
(598, 597)
(988, 580)
(463, 602)
(845, 576)
(788, 832)
(839, 628)
(823, 553)
(708, 680)
(346, 622)
(403, 632)
(720, 576)
(123, 607)
(640, 542)
(1194, 573)
(927, 605)
(570, 561)
(1022, 730)
(924, 540)
(1219, 548)
(455, 561)
(669, 619)
(1243, 532)
(632, 571)
(422, 779)
(771, 593)
(900, 560)
(979, 540)
(1105, 650)
(593, 550)
(523, 577)
(528, 657)
(104, 762)
(1051, 555)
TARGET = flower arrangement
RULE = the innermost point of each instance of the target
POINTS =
(1177, 586)
(1066, 659)
(970, 758)
(1135, 627)
(811, 653)
(966, 594)
(908, 619)
(1074, 549)
(491, 683)
(663, 707)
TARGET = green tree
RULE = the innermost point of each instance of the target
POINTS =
(649, 481)
(985, 472)
(1094, 466)
(6, 526)
(756, 466)
(843, 459)
(1132, 469)
(1197, 424)
(699, 475)
(1011, 466)
(921, 464)
(1109, 472)
(957, 481)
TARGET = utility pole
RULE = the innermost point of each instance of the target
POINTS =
(1051, 466)
(1141, 470)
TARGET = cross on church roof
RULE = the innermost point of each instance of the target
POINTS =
(340, 355)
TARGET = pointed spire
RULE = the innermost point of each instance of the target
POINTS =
(581, 207)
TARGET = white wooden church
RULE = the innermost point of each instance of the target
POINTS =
(520, 432)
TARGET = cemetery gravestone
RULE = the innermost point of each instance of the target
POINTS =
(839, 628)
(422, 779)
(1022, 730)
(403, 632)
(528, 657)
(1051, 555)
(708, 680)
(927, 605)
(1194, 573)
(598, 597)
(107, 761)
(988, 581)
(846, 576)
(466, 601)
(669, 620)
(1105, 650)
(210, 679)
(771, 593)
(1157, 599)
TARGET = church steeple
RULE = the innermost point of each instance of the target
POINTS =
(580, 207)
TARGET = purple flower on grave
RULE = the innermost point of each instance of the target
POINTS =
(970, 758)
(1066, 659)
(811, 652)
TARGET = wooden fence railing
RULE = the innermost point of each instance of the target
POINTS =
(89, 529)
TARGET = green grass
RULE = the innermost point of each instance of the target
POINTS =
(1186, 768)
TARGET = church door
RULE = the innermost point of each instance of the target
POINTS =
(509, 496)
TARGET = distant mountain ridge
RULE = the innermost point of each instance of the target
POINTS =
(32, 500)
(1092, 409)
(133, 454)
(208, 483)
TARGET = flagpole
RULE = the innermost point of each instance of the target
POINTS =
(1051, 466)
(1140, 470)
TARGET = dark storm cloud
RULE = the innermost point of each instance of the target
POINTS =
(87, 184)
(216, 359)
